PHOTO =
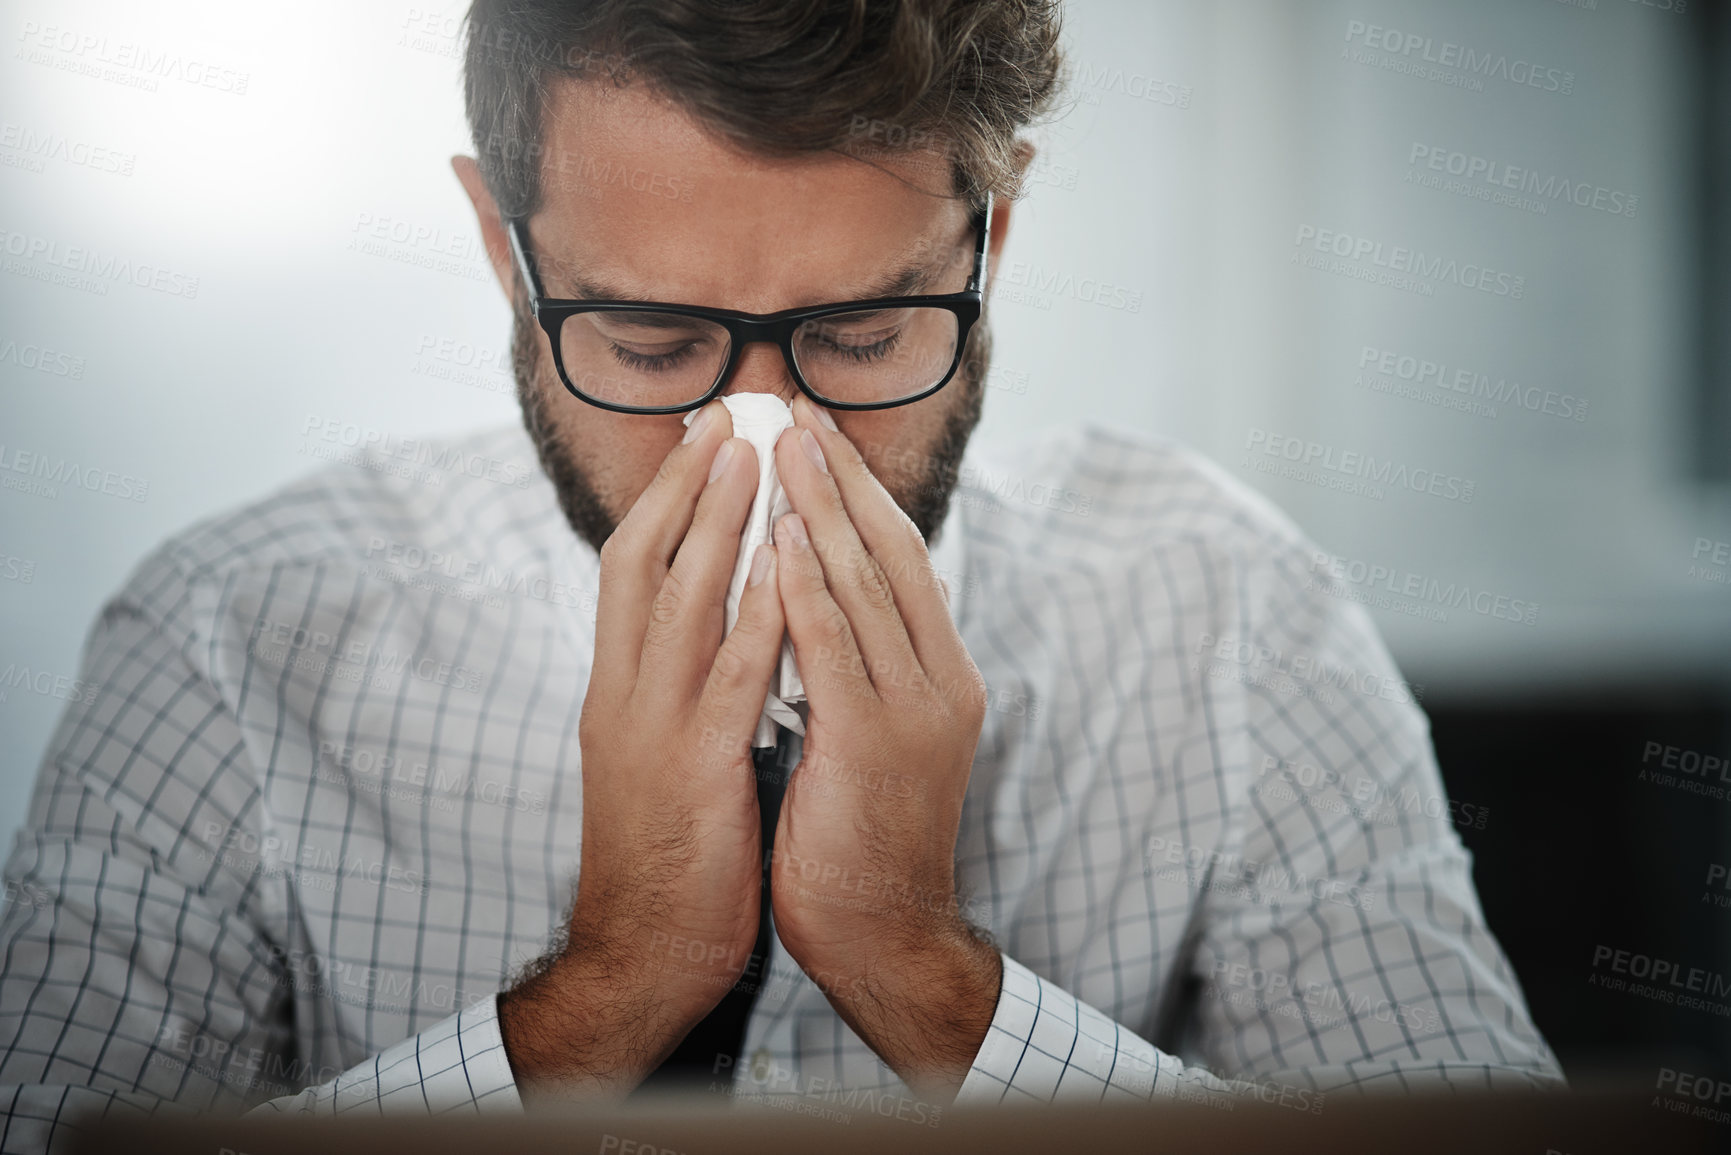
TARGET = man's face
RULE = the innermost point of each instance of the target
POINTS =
(639, 201)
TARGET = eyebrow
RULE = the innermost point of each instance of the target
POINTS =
(905, 282)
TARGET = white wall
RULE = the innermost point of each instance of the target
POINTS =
(1203, 137)
(1285, 129)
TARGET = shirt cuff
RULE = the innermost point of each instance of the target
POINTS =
(457, 1064)
(1044, 1043)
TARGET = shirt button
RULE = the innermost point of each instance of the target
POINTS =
(760, 1060)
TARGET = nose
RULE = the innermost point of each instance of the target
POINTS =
(762, 369)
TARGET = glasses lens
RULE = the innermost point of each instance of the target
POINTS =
(875, 355)
(645, 359)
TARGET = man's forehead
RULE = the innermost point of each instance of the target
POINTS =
(643, 199)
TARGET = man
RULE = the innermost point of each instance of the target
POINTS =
(1109, 793)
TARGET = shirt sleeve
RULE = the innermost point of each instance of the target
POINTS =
(458, 1064)
(1339, 945)
(1044, 1042)
(138, 965)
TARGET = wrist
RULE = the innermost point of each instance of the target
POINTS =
(576, 1028)
(925, 1007)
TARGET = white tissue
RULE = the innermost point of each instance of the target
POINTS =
(759, 419)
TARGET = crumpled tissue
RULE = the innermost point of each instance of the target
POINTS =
(759, 419)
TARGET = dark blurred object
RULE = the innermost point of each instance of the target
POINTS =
(1613, 1123)
(1580, 853)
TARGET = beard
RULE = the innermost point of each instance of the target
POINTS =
(921, 486)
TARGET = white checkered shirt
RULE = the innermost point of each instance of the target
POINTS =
(319, 798)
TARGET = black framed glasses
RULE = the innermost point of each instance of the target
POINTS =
(651, 357)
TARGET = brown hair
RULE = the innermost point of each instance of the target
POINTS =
(956, 78)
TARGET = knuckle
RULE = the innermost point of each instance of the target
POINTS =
(664, 610)
(670, 468)
(731, 665)
(833, 627)
(973, 705)
(872, 583)
(588, 730)
(594, 725)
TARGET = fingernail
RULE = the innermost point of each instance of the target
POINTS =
(812, 449)
(698, 423)
(796, 531)
(722, 456)
(760, 562)
(825, 418)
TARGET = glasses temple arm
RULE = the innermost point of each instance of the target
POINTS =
(514, 230)
(981, 246)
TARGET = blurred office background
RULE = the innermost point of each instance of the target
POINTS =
(1487, 242)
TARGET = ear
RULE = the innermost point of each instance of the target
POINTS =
(492, 225)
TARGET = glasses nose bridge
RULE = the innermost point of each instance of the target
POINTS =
(751, 331)
(746, 332)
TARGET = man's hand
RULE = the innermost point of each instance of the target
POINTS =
(671, 875)
(864, 858)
